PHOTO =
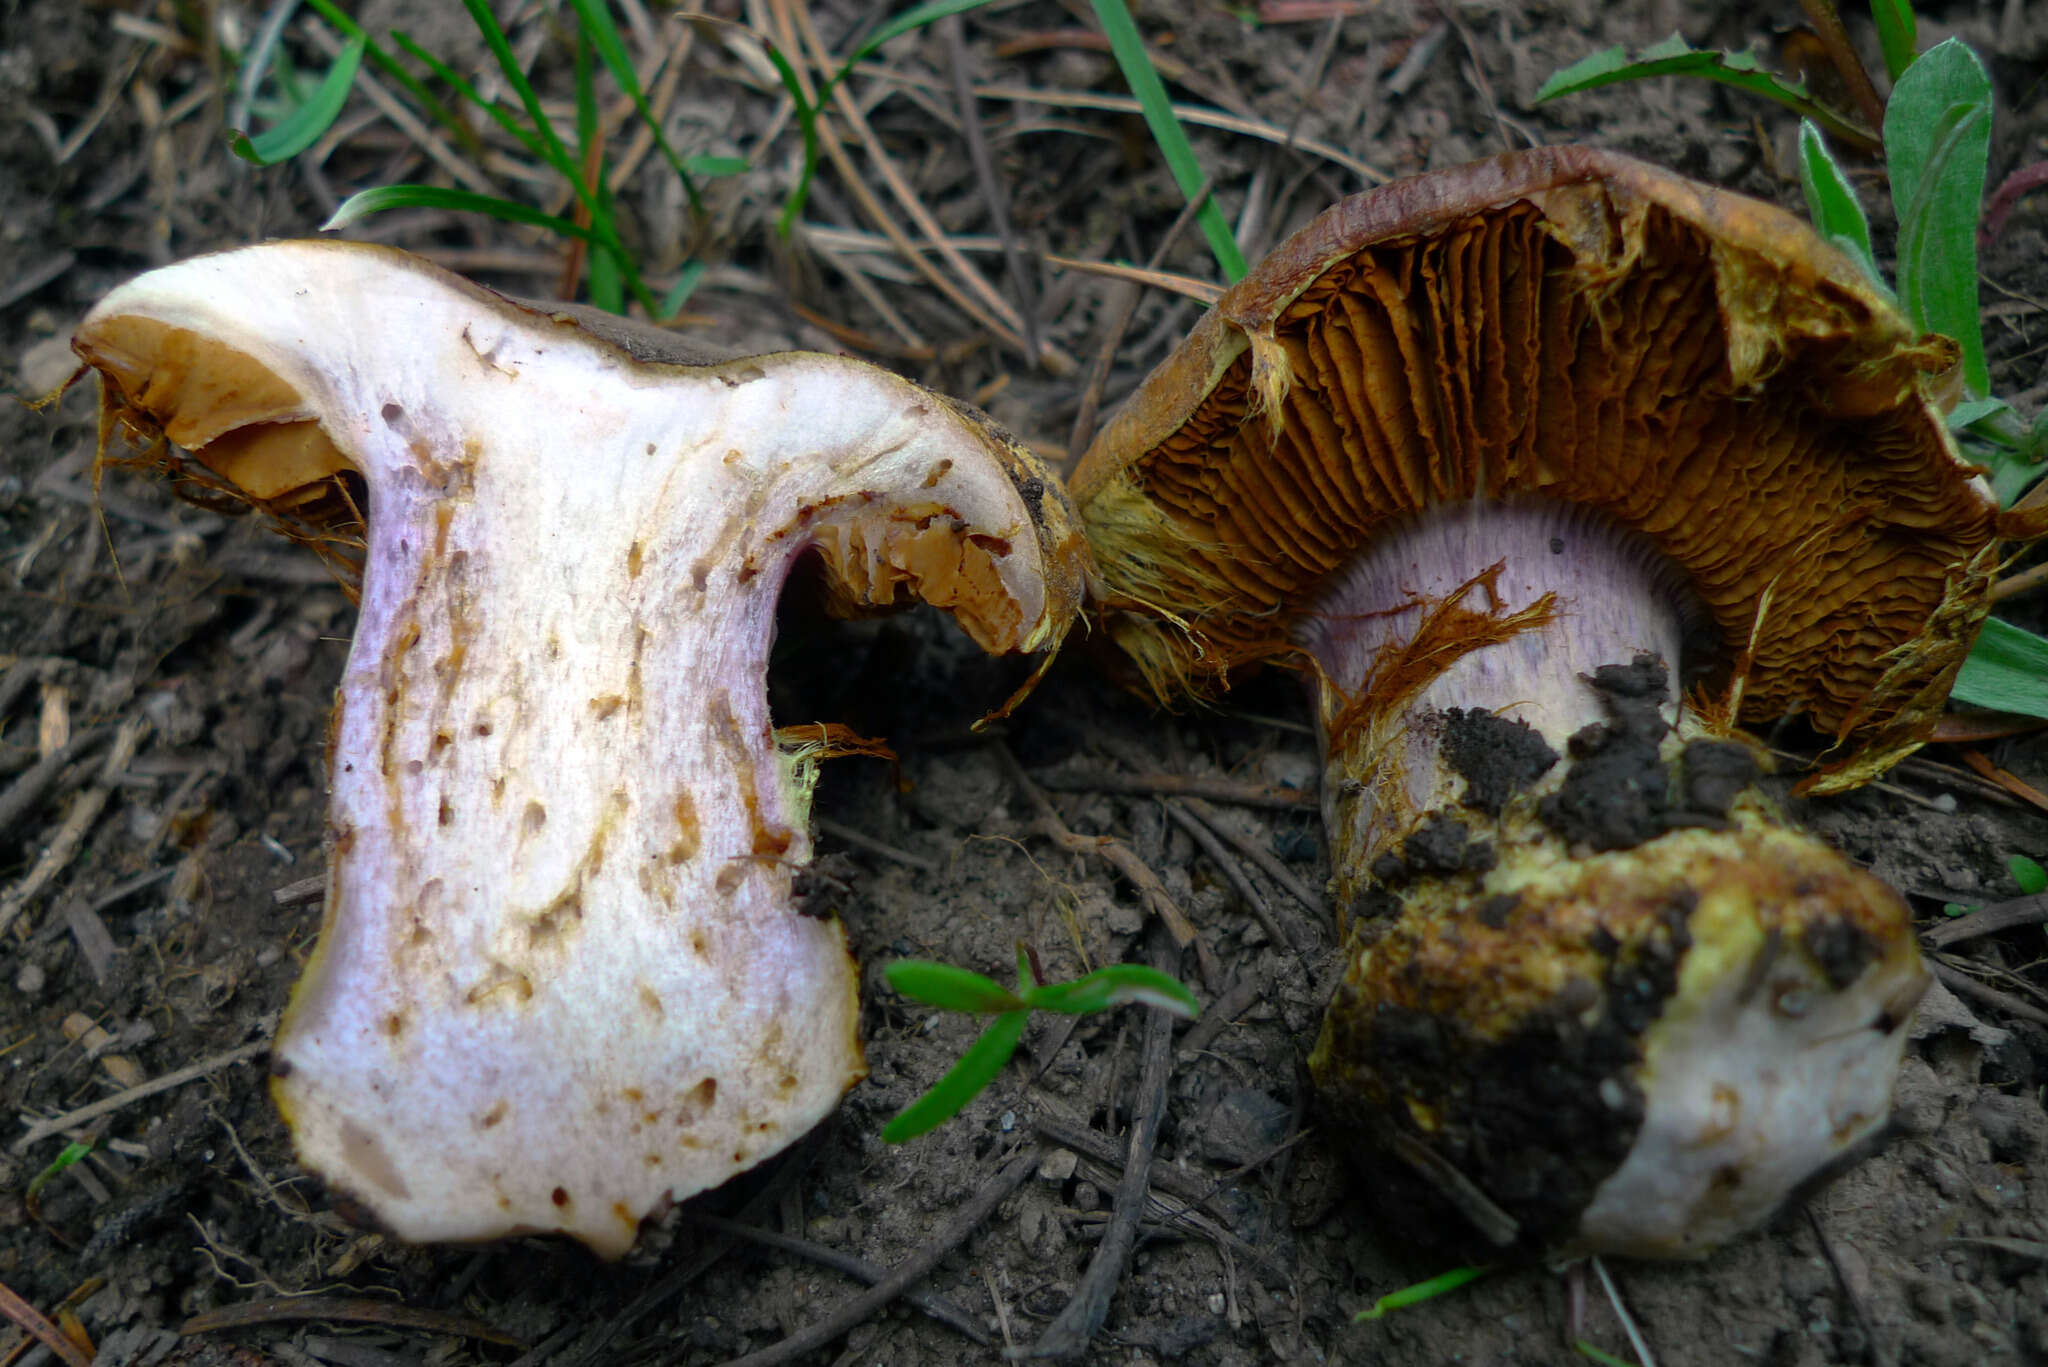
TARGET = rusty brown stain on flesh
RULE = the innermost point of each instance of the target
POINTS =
(730, 531)
(605, 705)
(635, 695)
(490, 1118)
(444, 514)
(769, 839)
(731, 874)
(937, 473)
(392, 1025)
(693, 1105)
(633, 560)
(533, 819)
(503, 984)
(650, 1001)
(684, 847)
(364, 1154)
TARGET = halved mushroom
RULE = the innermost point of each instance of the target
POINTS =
(1497, 457)
(561, 978)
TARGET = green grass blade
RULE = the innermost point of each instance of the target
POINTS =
(594, 17)
(436, 110)
(916, 17)
(2007, 671)
(551, 148)
(1129, 50)
(1113, 986)
(807, 124)
(374, 201)
(2028, 873)
(1896, 33)
(1937, 131)
(680, 292)
(1832, 204)
(963, 1082)
(300, 131)
(708, 165)
(950, 988)
(461, 86)
(1675, 57)
(602, 229)
(1600, 1355)
(1421, 1291)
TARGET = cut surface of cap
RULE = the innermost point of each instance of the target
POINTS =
(561, 978)
(1568, 324)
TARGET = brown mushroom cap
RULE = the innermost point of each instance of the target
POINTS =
(1569, 323)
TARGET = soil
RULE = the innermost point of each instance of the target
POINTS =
(163, 941)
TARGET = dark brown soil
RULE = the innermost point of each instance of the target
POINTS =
(217, 648)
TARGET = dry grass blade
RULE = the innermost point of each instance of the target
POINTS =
(1199, 115)
(1201, 291)
(344, 1310)
(997, 307)
(43, 1129)
(1010, 331)
(38, 1324)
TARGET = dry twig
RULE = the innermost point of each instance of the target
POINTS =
(930, 1302)
(43, 1129)
(906, 1273)
(1071, 1331)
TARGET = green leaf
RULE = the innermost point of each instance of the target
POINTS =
(1116, 985)
(300, 131)
(1895, 34)
(1422, 1291)
(385, 63)
(1971, 411)
(954, 989)
(363, 203)
(1143, 79)
(1675, 57)
(2007, 671)
(1937, 135)
(1832, 204)
(73, 1152)
(2032, 878)
(963, 1082)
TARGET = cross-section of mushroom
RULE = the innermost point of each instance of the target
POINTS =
(561, 977)
(1509, 459)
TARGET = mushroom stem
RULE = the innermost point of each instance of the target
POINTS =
(1502, 608)
(1597, 993)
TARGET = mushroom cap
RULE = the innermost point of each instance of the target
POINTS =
(562, 978)
(1569, 324)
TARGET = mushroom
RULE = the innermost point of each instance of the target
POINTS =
(561, 978)
(1505, 459)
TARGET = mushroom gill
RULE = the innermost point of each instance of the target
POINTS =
(1547, 472)
(560, 978)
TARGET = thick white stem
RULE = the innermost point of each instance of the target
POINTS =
(1613, 598)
